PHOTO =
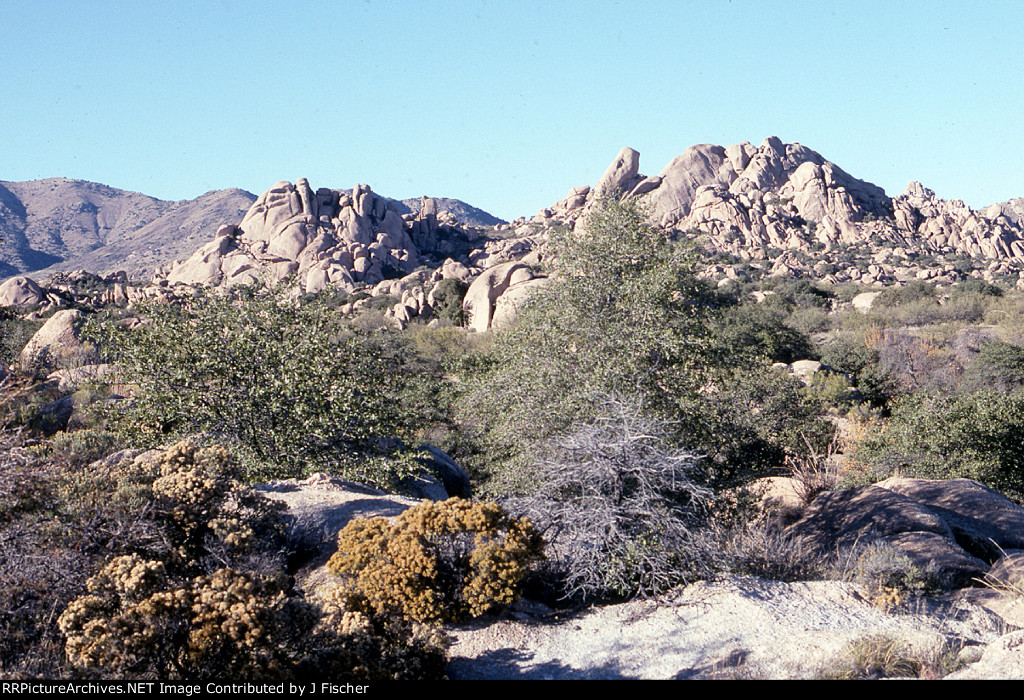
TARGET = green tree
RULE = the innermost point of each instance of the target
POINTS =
(971, 435)
(628, 316)
(283, 381)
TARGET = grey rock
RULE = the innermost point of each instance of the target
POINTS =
(983, 521)
(622, 175)
(57, 345)
(21, 292)
(454, 478)
(485, 290)
(736, 627)
(320, 506)
(859, 516)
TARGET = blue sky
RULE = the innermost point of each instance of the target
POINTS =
(504, 105)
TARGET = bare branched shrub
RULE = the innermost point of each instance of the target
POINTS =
(619, 505)
(814, 472)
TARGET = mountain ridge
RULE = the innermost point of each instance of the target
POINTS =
(61, 224)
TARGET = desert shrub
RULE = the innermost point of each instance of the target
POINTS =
(756, 329)
(282, 382)
(913, 291)
(810, 319)
(15, 332)
(439, 562)
(966, 308)
(997, 365)
(79, 447)
(888, 574)
(756, 545)
(628, 317)
(138, 620)
(448, 296)
(619, 506)
(754, 420)
(917, 361)
(790, 294)
(972, 285)
(875, 657)
(855, 359)
(201, 592)
(833, 390)
(972, 435)
(46, 554)
(203, 507)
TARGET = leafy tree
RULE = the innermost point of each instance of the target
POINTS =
(283, 381)
(448, 296)
(629, 317)
(971, 435)
(998, 365)
(758, 330)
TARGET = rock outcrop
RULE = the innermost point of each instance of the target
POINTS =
(737, 627)
(57, 345)
(957, 528)
(22, 292)
(327, 238)
(786, 202)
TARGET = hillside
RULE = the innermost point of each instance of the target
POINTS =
(61, 224)
(771, 407)
(58, 224)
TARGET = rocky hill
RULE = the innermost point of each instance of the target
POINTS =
(780, 208)
(61, 224)
(787, 204)
(58, 224)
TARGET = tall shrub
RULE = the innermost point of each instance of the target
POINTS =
(284, 381)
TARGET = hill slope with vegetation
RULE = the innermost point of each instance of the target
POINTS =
(625, 430)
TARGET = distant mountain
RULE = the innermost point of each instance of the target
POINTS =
(61, 224)
(465, 213)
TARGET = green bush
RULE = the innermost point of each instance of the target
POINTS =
(440, 561)
(863, 364)
(998, 365)
(973, 285)
(911, 292)
(973, 435)
(283, 382)
(15, 332)
(629, 317)
(755, 329)
(448, 296)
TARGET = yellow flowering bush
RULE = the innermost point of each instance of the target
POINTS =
(439, 561)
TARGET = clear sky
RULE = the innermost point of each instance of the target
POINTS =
(506, 105)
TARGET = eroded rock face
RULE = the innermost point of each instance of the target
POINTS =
(21, 292)
(745, 200)
(329, 238)
(57, 345)
(483, 294)
(957, 527)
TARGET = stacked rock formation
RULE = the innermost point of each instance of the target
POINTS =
(328, 237)
(744, 200)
